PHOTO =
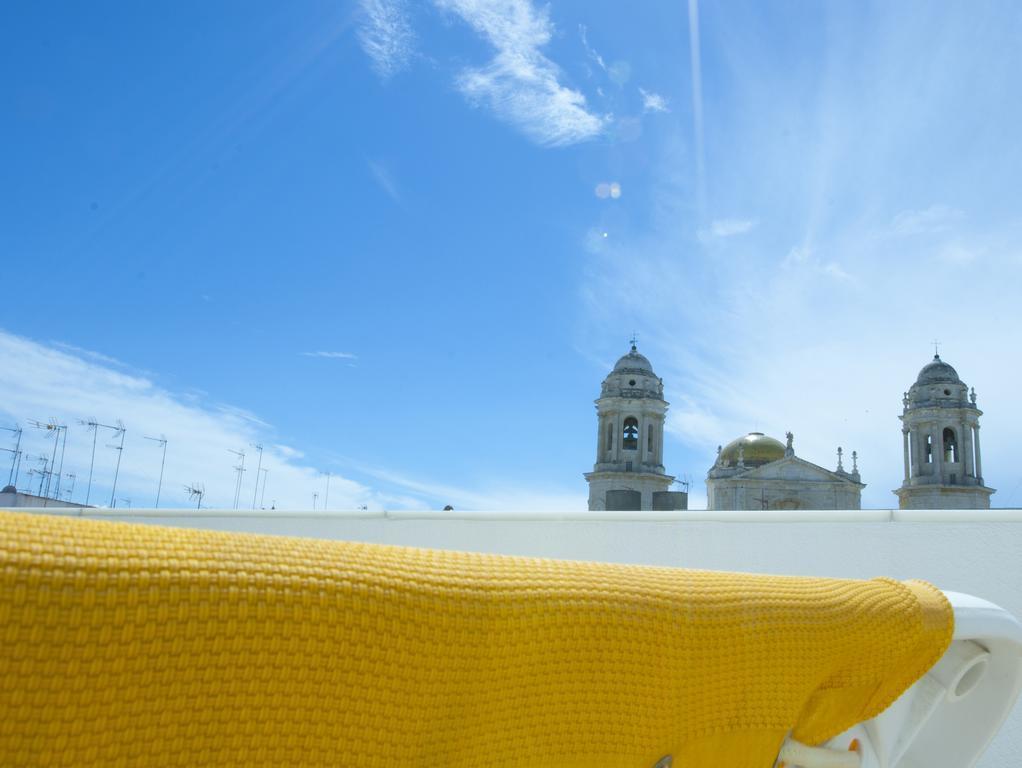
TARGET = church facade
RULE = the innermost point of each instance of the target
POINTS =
(759, 472)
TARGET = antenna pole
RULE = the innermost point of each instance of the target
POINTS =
(92, 462)
(262, 496)
(117, 470)
(63, 447)
(12, 478)
(240, 468)
(326, 500)
(259, 467)
(162, 440)
(17, 452)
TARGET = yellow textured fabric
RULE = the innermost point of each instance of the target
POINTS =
(129, 645)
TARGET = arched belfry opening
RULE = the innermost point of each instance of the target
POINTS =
(630, 435)
(950, 446)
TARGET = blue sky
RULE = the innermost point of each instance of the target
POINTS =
(468, 207)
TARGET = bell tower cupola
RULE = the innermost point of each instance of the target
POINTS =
(629, 470)
(943, 466)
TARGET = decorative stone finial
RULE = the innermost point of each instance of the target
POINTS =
(972, 396)
(788, 449)
(741, 457)
(904, 400)
(855, 462)
(840, 453)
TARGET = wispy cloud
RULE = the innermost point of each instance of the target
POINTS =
(722, 228)
(583, 34)
(653, 102)
(43, 381)
(695, 65)
(332, 355)
(932, 220)
(508, 497)
(386, 35)
(520, 84)
(802, 258)
(383, 177)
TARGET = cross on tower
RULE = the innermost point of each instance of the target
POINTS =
(633, 340)
(936, 348)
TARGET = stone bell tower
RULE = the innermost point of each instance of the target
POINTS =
(629, 472)
(940, 441)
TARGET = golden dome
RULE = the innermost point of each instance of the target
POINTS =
(757, 450)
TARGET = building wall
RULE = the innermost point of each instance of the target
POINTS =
(16, 500)
(976, 552)
(646, 484)
(753, 494)
(942, 497)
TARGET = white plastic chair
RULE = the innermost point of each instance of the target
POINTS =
(945, 720)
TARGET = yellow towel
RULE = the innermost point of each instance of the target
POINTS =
(131, 645)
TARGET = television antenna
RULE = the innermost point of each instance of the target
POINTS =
(162, 440)
(196, 491)
(259, 466)
(12, 478)
(71, 491)
(262, 496)
(120, 430)
(54, 430)
(94, 426)
(43, 473)
(240, 469)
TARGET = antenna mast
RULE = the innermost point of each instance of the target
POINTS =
(259, 467)
(262, 496)
(162, 440)
(94, 425)
(52, 429)
(240, 469)
(197, 490)
(120, 452)
(12, 478)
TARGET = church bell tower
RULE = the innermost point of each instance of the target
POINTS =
(629, 472)
(940, 442)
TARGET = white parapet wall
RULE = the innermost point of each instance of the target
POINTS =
(978, 552)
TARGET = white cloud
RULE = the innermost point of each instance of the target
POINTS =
(332, 355)
(383, 177)
(386, 35)
(722, 228)
(583, 34)
(498, 497)
(520, 84)
(653, 102)
(932, 220)
(802, 258)
(41, 381)
(958, 254)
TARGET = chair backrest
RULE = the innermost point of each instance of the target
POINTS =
(948, 717)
